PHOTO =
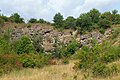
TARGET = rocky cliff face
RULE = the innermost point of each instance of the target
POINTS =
(50, 34)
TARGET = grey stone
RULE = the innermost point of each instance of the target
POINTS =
(85, 36)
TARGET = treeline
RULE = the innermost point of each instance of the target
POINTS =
(86, 21)
(16, 18)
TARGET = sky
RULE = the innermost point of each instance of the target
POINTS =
(46, 9)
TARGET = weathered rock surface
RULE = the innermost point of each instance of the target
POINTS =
(49, 35)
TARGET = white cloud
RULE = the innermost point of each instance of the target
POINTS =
(47, 8)
(89, 4)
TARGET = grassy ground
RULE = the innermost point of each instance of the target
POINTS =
(54, 72)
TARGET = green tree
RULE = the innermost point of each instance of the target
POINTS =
(107, 16)
(114, 11)
(41, 21)
(16, 18)
(116, 17)
(58, 20)
(104, 23)
(113, 17)
(70, 22)
(84, 21)
(94, 14)
(32, 20)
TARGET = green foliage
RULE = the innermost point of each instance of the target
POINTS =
(113, 17)
(24, 45)
(8, 63)
(28, 25)
(37, 41)
(104, 23)
(70, 49)
(94, 14)
(115, 33)
(41, 21)
(65, 51)
(28, 62)
(100, 69)
(116, 19)
(32, 20)
(102, 30)
(112, 55)
(70, 22)
(58, 20)
(87, 57)
(95, 59)
(4, 18)
(84, 21)
(5, 43)
(16, 18)
(107, 16)
(34, 60)
(1, 22)
(114, 11)
(56, 52)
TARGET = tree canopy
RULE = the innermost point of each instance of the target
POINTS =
(58, 20)
(16, 18)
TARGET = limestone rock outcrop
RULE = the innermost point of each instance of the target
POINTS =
(50, 34)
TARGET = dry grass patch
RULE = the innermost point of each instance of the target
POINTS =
(54, 72)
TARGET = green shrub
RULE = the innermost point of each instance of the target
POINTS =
(34, 60)
(102, 30)
(43, 60)
(32, 20)
(115, 33)
(24, 45)
(87, 57)
(8, 63)
(5, 42)
(112, 55)
(70, 49)
(1, 22)
(100, 69)
(28, 62)
(37, 41)
(29, 25)
(16, 18)
(97, 58)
